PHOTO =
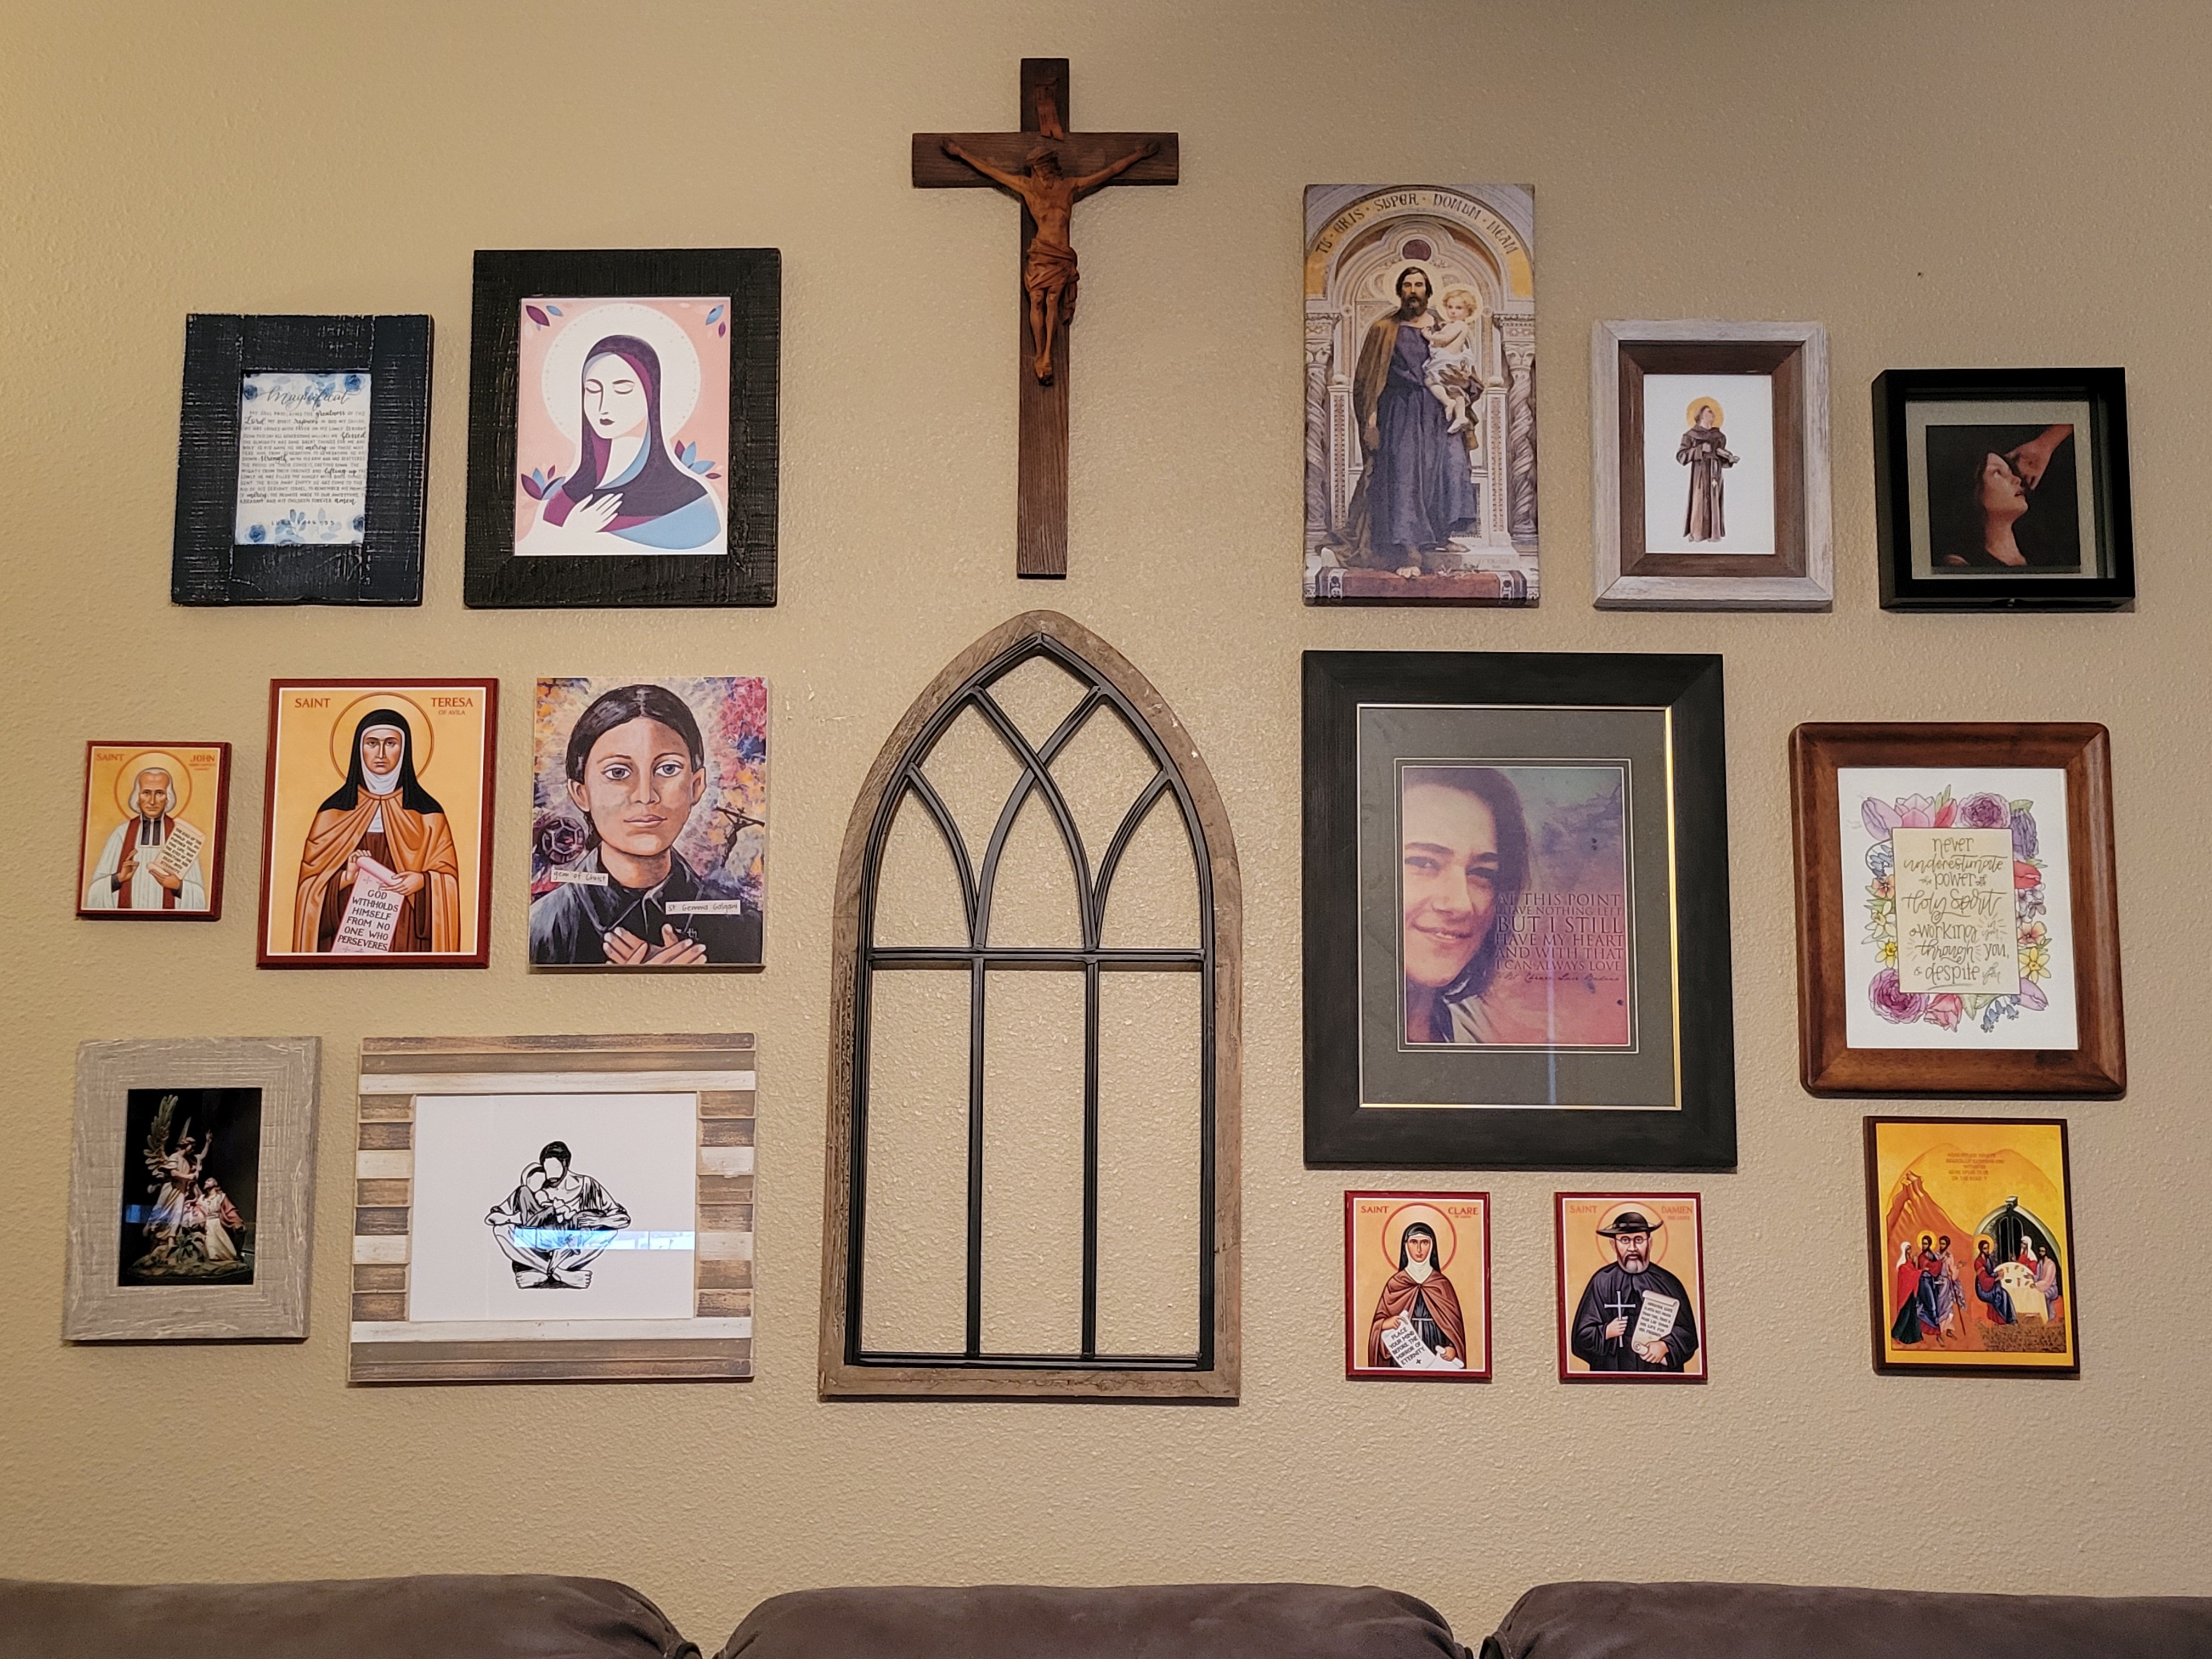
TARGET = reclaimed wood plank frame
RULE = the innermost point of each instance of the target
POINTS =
(2097, 1066)
(274, 1307)
(1214, 1374)
(1800, 574)
(720, 1070)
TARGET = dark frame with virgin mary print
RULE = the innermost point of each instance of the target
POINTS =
(743, 570)
(1601, 1032)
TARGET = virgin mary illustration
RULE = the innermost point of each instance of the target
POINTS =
(381, 812)
(628, 492)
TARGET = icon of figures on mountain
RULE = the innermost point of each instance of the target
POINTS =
(1705, 451)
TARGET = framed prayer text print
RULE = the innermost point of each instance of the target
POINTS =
(1970, 1243)
(1421, 446)
(191, 1190)
(2004, 489)
(1709, 453)
(622, 428)
(558, 1209)
(1958, 926)
(1517, 912)
(649, 823)
(1632, 1284)
(1417, 1287)
(150, 843)
(376, 826)
(302, 460)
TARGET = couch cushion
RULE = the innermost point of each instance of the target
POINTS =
(1218, 1621)
(1751, 1622)
(479, 1617)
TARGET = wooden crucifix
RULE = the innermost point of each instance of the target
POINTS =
(1049, 169)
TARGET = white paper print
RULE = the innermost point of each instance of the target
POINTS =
(507, 1227)
(302, 458)
(1958, 908)
(1740, 508)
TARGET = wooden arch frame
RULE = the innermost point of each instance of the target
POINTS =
(1112, 687)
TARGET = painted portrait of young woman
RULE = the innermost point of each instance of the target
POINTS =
(623, 427)
(649, 838)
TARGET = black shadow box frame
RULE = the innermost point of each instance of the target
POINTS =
(208, 565)
(497, 579)
(1699, 1132)
(2104, 391)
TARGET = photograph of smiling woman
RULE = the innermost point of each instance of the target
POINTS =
(627, 493)
(1463, 869)
(635, 768)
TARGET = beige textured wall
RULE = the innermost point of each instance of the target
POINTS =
(1946, 183)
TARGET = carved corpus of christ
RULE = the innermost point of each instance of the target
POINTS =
(1047, 168)
(1049, 271)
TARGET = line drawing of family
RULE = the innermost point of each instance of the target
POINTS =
(628, 492)
(1416, 392)
(556, 1223)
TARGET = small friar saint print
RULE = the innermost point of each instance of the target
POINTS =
(556, 1223)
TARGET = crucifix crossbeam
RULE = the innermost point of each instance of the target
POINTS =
(1049, 169)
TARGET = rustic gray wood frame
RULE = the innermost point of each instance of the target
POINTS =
(274, 1307)
(1619, 586)
(720, 1070)
(842, 1374)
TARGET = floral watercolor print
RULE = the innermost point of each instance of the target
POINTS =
(623, 427)
(302, 459)
(1959, 917)
(649, 827)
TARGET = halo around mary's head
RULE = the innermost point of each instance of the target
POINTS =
(560, 377)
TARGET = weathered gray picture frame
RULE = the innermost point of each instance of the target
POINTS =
(274, 1306)
(1800, 574)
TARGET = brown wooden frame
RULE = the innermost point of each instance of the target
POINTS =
(1354, 1372)
(841, 1376)
(218, 835)
(721, 1071)
(1559, 1287)
(1797, 576)
(2097, 1066)
(1878, 1268)
(477, 956)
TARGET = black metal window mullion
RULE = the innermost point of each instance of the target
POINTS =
(978, 956)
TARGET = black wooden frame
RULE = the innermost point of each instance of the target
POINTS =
(1100, 696)
(1339, 1131)
(746, 575)
(2104, 390)
(207, 566)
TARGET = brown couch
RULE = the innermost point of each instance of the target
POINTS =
(429, 1618)
(547, 1618)
(1753, 1621)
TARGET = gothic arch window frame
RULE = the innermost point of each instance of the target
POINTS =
(1112, 687)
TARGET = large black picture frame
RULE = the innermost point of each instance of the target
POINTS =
(207, 566)
(1697, 1130)
(746, 573)
(2111, 586)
